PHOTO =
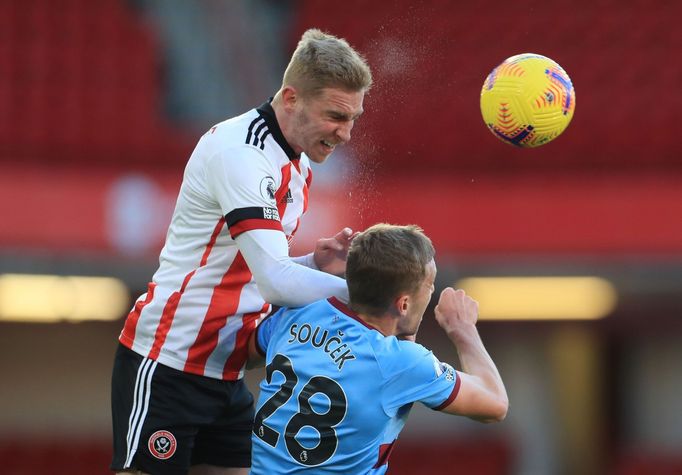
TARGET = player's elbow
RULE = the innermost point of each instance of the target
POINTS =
(271, 294)
(279, 295)
(277, 285)
(497, 411)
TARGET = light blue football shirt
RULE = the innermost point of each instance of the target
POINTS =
(337, 392)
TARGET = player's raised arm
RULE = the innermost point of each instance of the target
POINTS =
(280, 279)
(482, 395)
(256, 226)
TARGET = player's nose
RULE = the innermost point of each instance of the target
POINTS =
(343, 132)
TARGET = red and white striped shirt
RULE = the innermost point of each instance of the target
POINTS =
(203, 302)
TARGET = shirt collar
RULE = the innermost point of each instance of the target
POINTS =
(266, 111)
(343, 308)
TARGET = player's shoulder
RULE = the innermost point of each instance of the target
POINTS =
(226, 144)
(320, 309)
(252, 137)
(395, 356)
(389, 346)
(231, 132)
(310, 312)
(390, 352)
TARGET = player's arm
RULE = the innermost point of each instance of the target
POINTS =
(482, 395)
(280, 280)
(240, 179)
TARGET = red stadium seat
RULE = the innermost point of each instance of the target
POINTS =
(80, 80)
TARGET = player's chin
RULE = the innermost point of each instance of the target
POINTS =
(319, 157)
(321, 152)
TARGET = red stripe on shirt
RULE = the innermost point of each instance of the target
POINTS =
(224, 303)
(280, 195)
(128, 334)
(171, 306)
(211, 243)
(165, 323)
(309, 178)
(293, 233)
(297, 164)
(249, 224)
(384, 453)
(237, 359)
(452, 395)
(306, 189)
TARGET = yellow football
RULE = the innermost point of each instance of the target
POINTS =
(528, 100)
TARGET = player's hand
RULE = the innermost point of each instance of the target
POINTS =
(330, 253)
(456, 310)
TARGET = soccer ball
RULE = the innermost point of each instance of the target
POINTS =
(528, 100)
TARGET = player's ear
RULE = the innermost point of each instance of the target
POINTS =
(402, 303)
(289, 97)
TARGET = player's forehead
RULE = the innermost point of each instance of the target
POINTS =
(340, 101)
(431, 271)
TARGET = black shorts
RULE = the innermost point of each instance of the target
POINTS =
(165, 420)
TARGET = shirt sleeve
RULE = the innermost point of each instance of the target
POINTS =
(280, 280)
(308, 260)
(265, 330)
(244, 183)
(429, 381)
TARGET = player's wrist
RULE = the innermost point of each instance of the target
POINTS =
(462, 334)
(307, 260)
(311, 262)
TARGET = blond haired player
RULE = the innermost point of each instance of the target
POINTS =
(178, 401)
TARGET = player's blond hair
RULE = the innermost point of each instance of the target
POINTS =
(385, 261)
(322, 60)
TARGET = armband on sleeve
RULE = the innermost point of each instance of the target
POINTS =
(247, 219)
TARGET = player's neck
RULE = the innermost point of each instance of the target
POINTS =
(280, 114)
(386, 325)
(284, 120)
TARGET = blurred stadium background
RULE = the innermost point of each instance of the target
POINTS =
(102, 101)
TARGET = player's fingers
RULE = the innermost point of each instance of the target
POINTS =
(446, 299)
(353, 236)
(437, 312)
(447, 291)
(344, 235)
(441, 315)
(460, 297)
(446, 294)
(334, 244)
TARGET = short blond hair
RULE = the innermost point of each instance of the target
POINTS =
(322, 60)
